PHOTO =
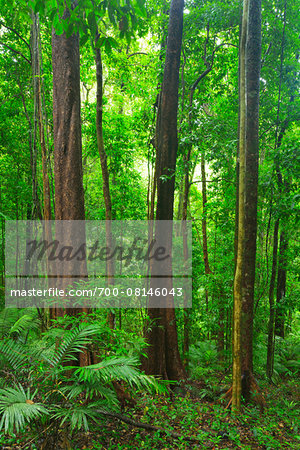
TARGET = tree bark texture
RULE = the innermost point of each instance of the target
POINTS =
(237, 289)
(163, 354)
(253, 64)
(69, 194)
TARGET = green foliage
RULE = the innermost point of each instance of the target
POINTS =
(132, 40)
(18, 408)
(118, 369)
(74, 341)
(12, 355)
(286, 357)
(203, 359)
(74, 395)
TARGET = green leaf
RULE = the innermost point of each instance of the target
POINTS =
(83, 39)
(100, 42)
(140, 8)
(92, 23)
(57, 25)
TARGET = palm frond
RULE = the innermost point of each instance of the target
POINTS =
(13, 355)
(74, 341)
(78, 415)
(91, 389)
(24, 324)
(18, 408)
(8, 316)
(119, 369)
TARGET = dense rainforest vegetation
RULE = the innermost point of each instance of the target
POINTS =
(156, 110)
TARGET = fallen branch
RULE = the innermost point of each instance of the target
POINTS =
(146, 426)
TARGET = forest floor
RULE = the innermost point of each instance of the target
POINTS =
(198, 416)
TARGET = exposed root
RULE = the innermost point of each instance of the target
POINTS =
(227, 395)
(250, 391)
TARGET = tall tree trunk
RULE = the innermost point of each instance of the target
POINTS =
(253, 64)
(36, 210)
(221, 330)
(283, 245)
(250, 62)
(163, 354)
(69, 194)
(270, 352)
(105, 173)
(204, 226)
(38, 102)
(281, 284)
(237, 289)
(204, 223)
(185, 198)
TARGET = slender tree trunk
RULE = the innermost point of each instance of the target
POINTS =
(204, 226)
(270, 352)
(180, 199)
(283, 245)
(39, 125)
(39, 104)
(281, 284)
(36, 210)
(237, 293)
(221, 331)
(204, 223)
(185, 198)
(163, 354)
(237, 167)
(105, 173)
(40, 119)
